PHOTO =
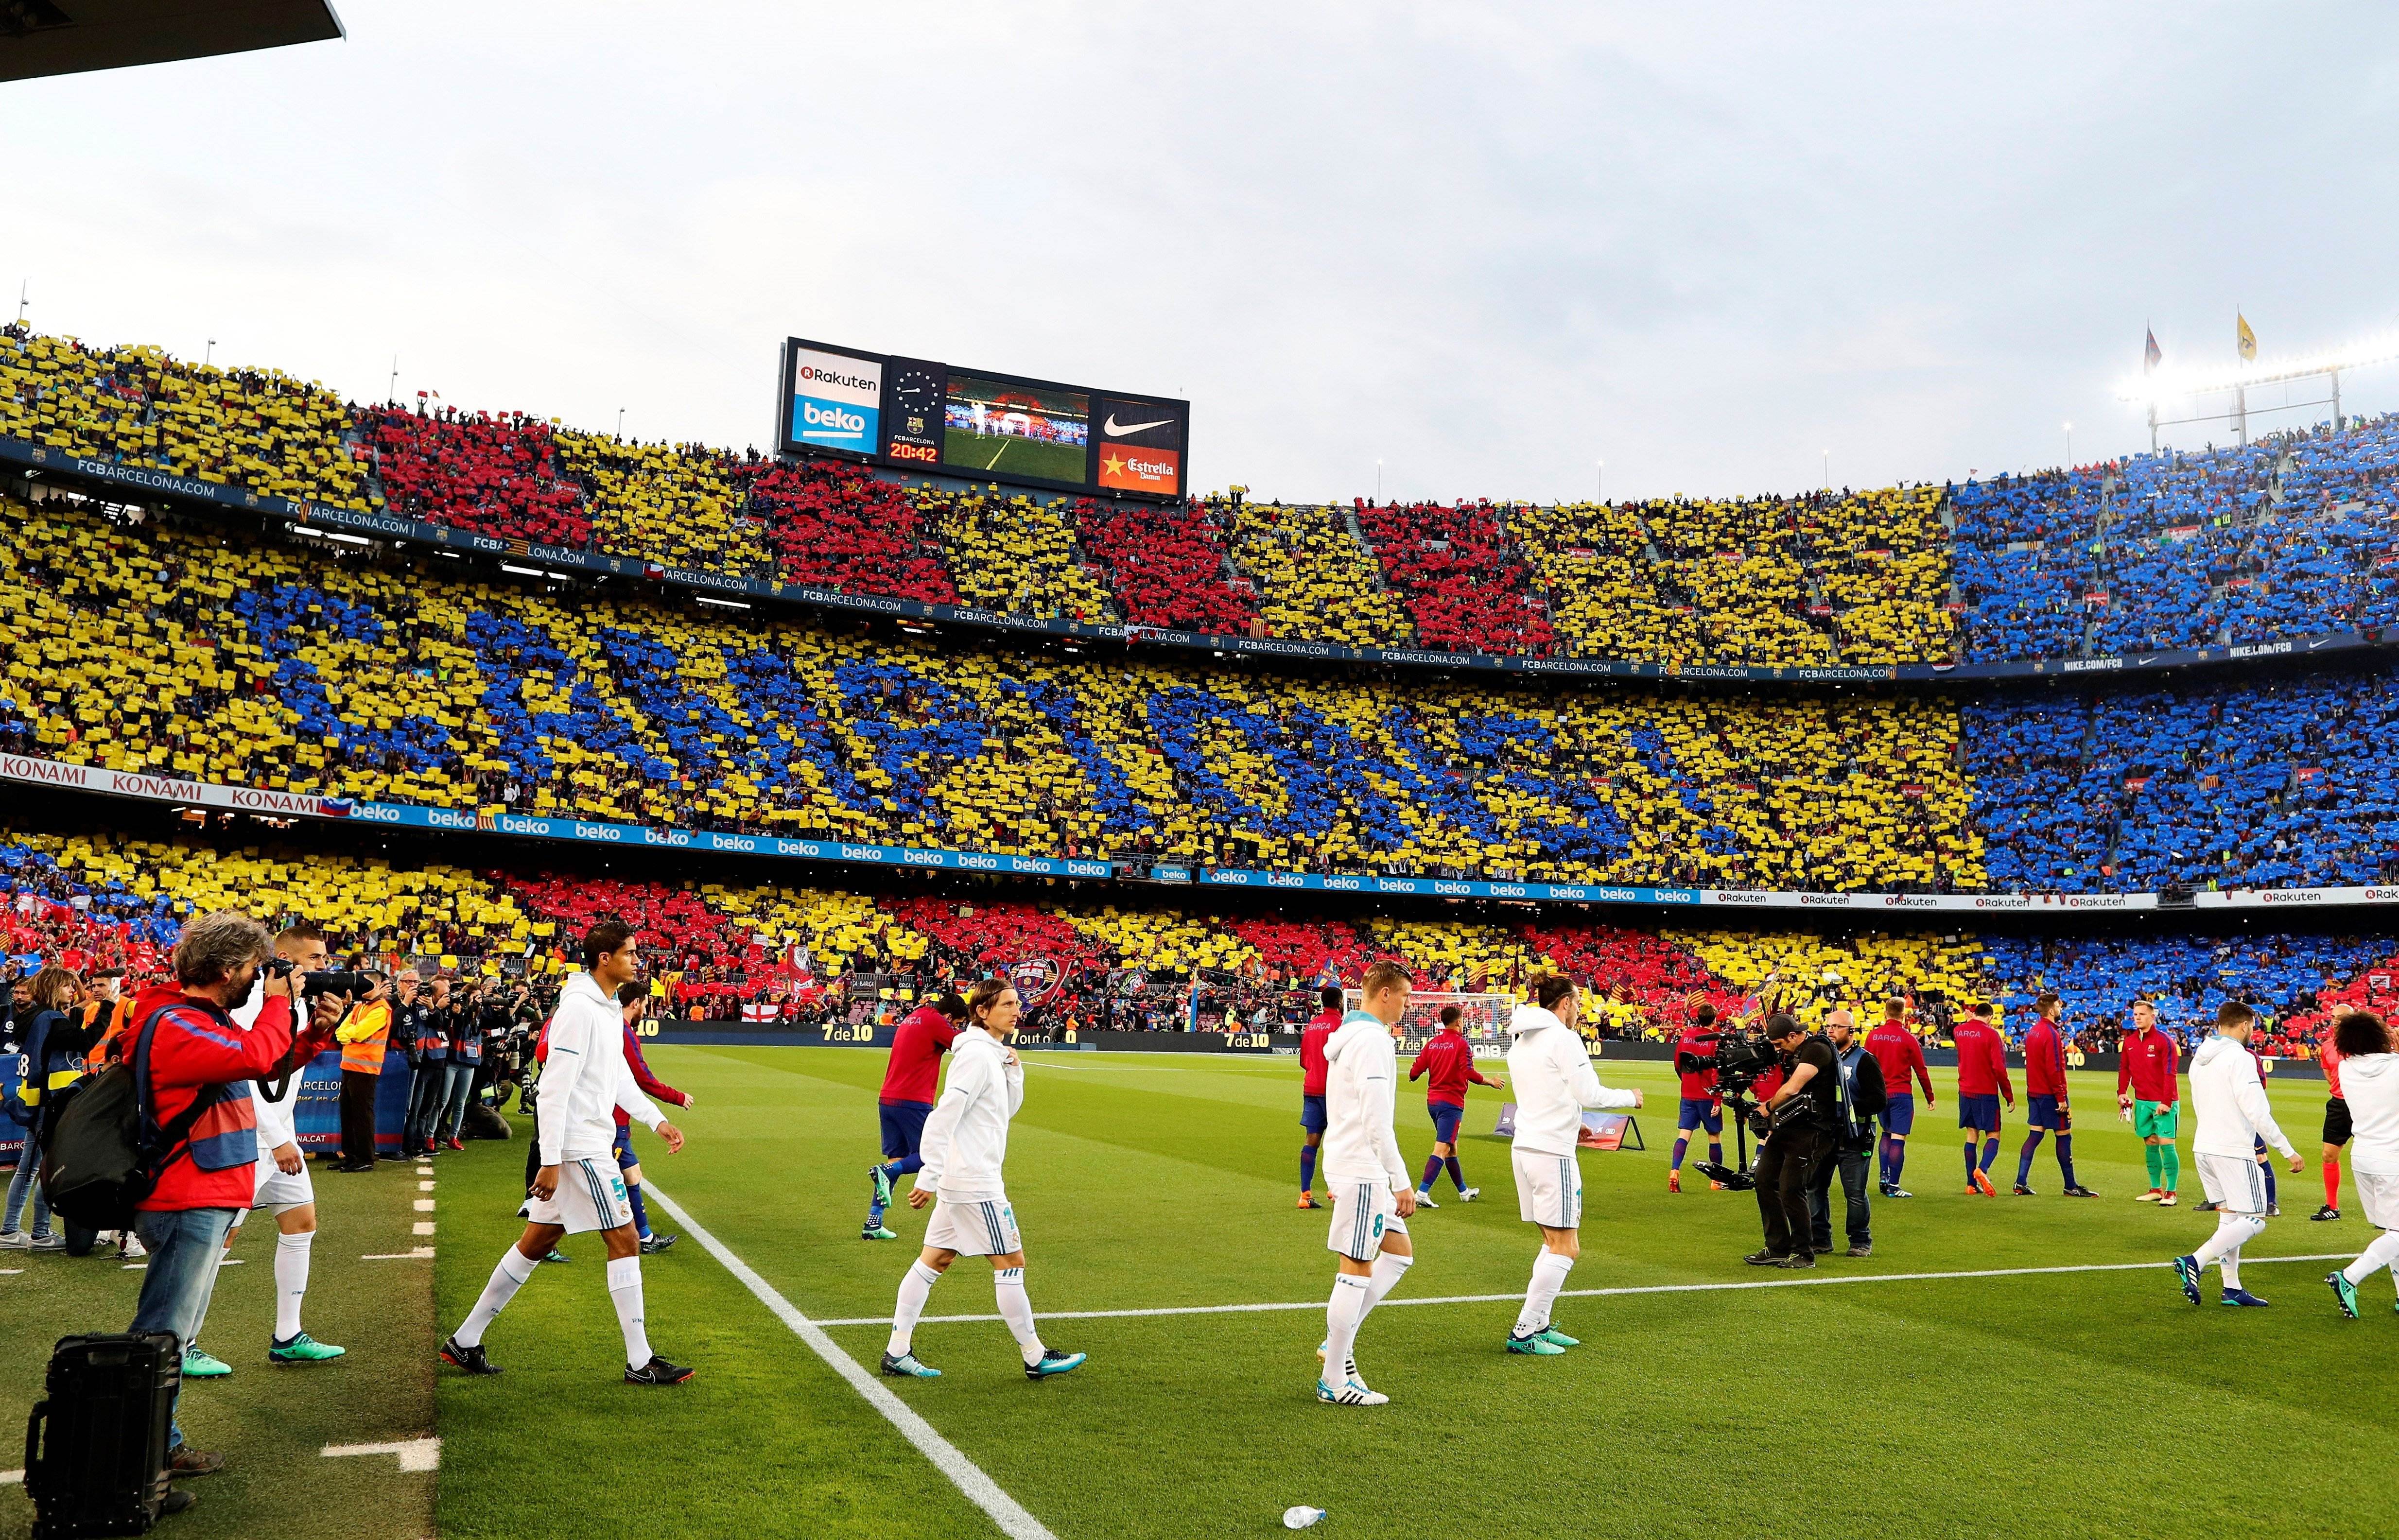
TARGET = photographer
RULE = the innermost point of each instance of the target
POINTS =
(1796, 1124)
(1859, 1084)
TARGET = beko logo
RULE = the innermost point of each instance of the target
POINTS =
(832, 417)
(1118, 430)
(827, 376)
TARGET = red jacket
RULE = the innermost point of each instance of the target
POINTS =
(196, 1046)
(2044, 1060)
(1312, 1051)
(1982, 1061)
(1899, 1054)
(1449, 1059)
(2145, 1062)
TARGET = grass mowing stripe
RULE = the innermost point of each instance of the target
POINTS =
(1582, 1293)
(962, 1473)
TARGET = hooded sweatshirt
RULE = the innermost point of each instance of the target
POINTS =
(2370, 1085)
(2230, 1102)
(965, 1142)
(1554, 1082)
(1362, 1073)
(584, 1080)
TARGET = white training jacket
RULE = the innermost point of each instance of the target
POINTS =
(1362, 1074)
(1549, 1071)
(2369, 1082)
(964, 1144)
(2230, 1101)
(276, 1119)
(585, 1078)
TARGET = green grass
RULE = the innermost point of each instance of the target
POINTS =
(271, 1421)
(2057, 1404)
(964, 450)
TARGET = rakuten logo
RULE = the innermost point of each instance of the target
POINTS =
(2300, 895)
(1740, 898)
(2003, 900)
(810, 373)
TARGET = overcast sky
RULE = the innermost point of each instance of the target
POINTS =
(1488, 245)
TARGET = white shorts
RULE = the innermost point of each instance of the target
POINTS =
(2235, 1184)
(1548, 1189)
(2378, 1198)
(279, 1192)
(590, 1196)
(974, 1229)
(1363, 1213)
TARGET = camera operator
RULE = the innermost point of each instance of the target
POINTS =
(1796, 1124)
(1859, 1084)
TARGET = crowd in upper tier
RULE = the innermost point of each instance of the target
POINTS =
(2286, 536)
(719, 949)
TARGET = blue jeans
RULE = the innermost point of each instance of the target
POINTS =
(27, 1179)
(184, 1245)
(453, 1104)
(425, 1093)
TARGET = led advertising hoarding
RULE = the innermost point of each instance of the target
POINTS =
(921, 416)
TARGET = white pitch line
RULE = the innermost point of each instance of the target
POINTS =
(419, 1253)
(1579, 1293)
(963, 1474)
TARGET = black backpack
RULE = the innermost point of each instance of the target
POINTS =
(101, 1153)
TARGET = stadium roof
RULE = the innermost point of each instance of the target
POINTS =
(42, 37)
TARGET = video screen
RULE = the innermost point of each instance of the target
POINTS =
(992, 427)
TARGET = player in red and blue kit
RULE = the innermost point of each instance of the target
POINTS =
(910, 1079)
(1324, 1024)
(1449, 1059)
(1703, 1104)
(1982, 1080)
(1901, 1058)
(2045, 1098)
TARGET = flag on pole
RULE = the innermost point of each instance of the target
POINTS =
(2248, 339)
(2150, 356)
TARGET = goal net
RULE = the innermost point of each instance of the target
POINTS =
(1484, 1017)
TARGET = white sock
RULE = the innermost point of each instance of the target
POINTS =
(1343, 1314)
(625, 1293)
(915, 1290)
(1016, 1309)
(1388, 1270)
(2383, 1254)
(1549, 1270)
(2231, 1232)
(291, 1281)
(506, 1278)
(2230, 1265)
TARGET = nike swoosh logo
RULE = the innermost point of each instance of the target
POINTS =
(1117, 430)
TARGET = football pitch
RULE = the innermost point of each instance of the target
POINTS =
(1039, 457)
(2052, 1381)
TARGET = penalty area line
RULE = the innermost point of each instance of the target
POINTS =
(1586, 1293)
(980, 1489)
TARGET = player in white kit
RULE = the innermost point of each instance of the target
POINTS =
(580, 1186)
(2369, 1081)
(964, 1149)
(1367, 1177)
(1555, 1085)
(2229, 1105)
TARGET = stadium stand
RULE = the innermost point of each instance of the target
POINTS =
(1020, 554)
(107, 901)
(834, 526)
(499, 476)
(1167, 565)
(1314, 580)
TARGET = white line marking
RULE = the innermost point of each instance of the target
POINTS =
(425, 1187)
(1136, 1068)
(398, 1256)
(10, 1272)
(11, 1478)
(963, 1474)
(422, 1227)
(414, 1454)
(1582, 1293)
(425, 1171)
(424, 1205)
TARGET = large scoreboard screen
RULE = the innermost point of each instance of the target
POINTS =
(922, 415)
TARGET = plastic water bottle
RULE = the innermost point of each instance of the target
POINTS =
(1301, 1517)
